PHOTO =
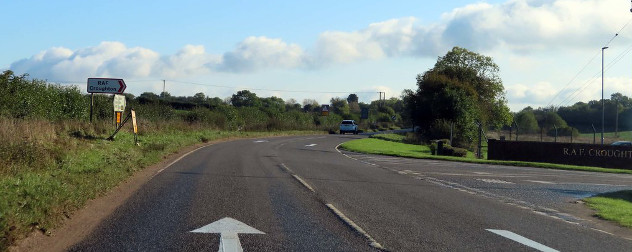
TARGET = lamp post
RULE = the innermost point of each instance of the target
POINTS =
(603, 108)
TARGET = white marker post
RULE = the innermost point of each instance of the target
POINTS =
(229, 230)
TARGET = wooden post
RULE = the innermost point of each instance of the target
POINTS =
(91, 105)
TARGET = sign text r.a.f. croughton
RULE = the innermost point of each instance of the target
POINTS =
(582, 152)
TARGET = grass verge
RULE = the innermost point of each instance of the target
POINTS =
(614, 206)
(39, 199)
(390, 148)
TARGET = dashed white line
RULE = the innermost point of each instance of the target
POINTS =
(303, 182)
(495, 181)
(522, 240)
(355, 227)
(541, 182)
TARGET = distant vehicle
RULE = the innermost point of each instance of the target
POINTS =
(622, 143)
(348, 126)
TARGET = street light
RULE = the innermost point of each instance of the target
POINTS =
(603, 108)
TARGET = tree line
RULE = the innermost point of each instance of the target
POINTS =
(21, 97)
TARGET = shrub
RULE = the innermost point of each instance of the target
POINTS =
(453, 151)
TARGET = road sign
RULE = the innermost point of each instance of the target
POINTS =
(106, 85)
(365, 113)
(228, 230)
(324, 110)
(119, 103)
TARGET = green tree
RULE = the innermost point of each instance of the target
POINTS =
(245, 98)
(273, 105)
(463, 88)
(339, 106)
(526, 121)
(352, 98)
(199, 98)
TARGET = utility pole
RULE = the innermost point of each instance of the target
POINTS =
(382, 101)
(603, 107)
(616, 120)
(163, 86)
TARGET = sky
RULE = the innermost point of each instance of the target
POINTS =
(549, 51)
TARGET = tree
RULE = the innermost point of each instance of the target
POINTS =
(352, 98)
(463, 88)
(339, 106)
(199, 98)
(273, 105)
(480, 73)
(526, 121)
(310, 105)
(245, 98)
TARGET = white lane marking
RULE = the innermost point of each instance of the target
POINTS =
(520, 239)
(261, 141)
(311, 145)
(541, 182)
(286, 168)
(228, 229)
(304, 183)
(495, 181)
(354, 226)
(178, 159)
(482, 173)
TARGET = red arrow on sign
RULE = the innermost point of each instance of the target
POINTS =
(122, 86)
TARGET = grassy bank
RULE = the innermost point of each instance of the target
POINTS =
(48, 170)
(384, 147)
(615, 206)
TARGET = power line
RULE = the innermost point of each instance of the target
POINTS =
(276, 90)
(586, 65)
(229, 87)
(573, 95)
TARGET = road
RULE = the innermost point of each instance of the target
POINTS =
(303, 194)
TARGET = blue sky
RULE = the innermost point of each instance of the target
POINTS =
(320, 49)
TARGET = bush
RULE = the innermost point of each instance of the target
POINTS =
(447, 150)
(453, 151)
(412, 138)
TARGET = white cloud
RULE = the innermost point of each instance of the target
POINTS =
(519, 29)
(260, 52)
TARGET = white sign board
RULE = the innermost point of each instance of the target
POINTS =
(119, 103)
(106, 85)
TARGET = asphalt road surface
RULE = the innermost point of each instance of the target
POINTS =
(302, 194)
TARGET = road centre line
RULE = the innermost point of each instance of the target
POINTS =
(303, 182)
(338, 213)
(354, 226)
(520, 239)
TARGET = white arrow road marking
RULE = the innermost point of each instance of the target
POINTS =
(515, 237)
(261, 141)
(311, 145)
(228, 229)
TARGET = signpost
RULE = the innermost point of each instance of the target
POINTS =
(119, 107)
(104, 86)
(365, 113)
(324, 111)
